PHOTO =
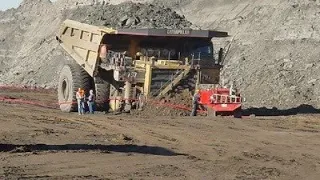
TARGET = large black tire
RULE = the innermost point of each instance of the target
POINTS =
(238, 113)
(102, 89)
(72, 77)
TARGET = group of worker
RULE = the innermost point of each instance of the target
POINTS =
(90, 100)
(82, 99)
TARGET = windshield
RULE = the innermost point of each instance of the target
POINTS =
(160, 53)
(203, 51)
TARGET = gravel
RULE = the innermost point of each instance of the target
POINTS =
(130, 15)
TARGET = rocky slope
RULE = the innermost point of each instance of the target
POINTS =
(29, 53)
(274, 44)
(274, 50)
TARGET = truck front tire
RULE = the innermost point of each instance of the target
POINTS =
(71, 78)
(102, 89)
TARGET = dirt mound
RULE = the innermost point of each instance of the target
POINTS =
(171, 105)
(130, 15)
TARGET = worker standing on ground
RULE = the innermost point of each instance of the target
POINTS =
(91, 100)
(195, 103)
(141, 99)
(80, 100)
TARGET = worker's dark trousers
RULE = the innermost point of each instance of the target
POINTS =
(106, 106)
(194, 110)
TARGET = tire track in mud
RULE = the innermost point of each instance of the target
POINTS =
(141, 134)
(103, 126)
(116, 133)
(174, 135)
(126, 128)
(118, 125)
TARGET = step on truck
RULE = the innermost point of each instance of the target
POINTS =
(121, 65)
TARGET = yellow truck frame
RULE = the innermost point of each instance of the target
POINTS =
(113, 63)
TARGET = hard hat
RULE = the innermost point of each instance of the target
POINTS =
(138, 54)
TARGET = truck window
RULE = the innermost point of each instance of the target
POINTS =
(204, 51)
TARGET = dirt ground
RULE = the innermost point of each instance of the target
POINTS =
(44, 143)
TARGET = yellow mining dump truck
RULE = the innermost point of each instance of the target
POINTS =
(120, 65)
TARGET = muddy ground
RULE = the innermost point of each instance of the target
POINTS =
(44, 143)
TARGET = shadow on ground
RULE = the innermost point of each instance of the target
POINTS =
(152, 150)
(302, 109)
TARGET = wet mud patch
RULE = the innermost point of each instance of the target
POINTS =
(267, 158)
(47, 132)
(254, 173)
(168, 171)
(151, 150)
(12, 172)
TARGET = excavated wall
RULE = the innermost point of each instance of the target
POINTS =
(274, 54)
(29, 53)
(274, 45)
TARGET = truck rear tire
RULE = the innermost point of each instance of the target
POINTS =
(102, 89)
(71, 78)
(238, 113)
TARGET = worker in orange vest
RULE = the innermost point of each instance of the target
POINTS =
(80, 96)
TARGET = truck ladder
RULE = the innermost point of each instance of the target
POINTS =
(172, 83)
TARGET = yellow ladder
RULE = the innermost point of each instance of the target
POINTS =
(174, 82)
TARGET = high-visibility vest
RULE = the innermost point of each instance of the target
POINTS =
(81, 93)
